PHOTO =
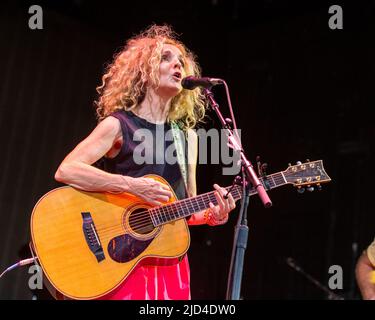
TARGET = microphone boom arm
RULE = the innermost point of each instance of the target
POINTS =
(246, 164)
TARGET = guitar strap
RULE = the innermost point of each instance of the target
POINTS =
(180, 144)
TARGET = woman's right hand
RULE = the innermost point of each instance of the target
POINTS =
(150, 190)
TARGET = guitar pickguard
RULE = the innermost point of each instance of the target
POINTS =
(125, 248)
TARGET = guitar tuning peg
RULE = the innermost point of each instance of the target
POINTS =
(307, 160)
(319, 187)
(300, 190)
(299, 163)
(310, 188)
(289, 164)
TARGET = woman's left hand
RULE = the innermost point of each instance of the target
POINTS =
(219, 213)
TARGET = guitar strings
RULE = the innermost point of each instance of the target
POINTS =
(165, 210)
(143, 219)
(183, 204)
(143, 227)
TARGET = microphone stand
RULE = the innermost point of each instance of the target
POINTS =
(241, 231)
(239, 247)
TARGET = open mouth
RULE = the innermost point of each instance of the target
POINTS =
(177, 76)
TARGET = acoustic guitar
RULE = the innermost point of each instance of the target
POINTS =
(87, 243)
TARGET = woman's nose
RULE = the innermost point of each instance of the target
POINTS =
(178, 64)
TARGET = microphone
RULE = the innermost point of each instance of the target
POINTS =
(192, 82)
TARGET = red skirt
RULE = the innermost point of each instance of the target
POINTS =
(155, 283)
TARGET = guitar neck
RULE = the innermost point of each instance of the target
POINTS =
(186, 207)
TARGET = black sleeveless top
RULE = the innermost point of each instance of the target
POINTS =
(145, 150)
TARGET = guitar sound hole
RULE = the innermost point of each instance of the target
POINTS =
(140, 221)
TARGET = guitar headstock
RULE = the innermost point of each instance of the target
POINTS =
(306, 174)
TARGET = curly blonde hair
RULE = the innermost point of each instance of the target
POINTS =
(137, 64)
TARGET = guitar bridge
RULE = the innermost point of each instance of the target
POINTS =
(91, 236)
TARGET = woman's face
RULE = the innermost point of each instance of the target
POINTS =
(171, 70)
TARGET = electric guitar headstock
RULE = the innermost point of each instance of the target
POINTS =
(306, 175)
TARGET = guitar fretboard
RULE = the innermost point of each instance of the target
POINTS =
(186, 207)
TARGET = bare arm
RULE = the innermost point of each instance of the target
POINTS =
(77, 170)
(363, 272)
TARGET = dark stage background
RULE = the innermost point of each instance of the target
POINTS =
(299, 89)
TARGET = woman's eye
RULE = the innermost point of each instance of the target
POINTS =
(165, 57)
